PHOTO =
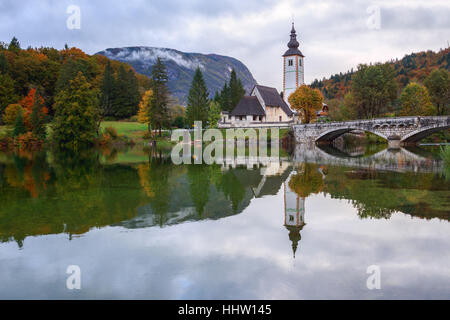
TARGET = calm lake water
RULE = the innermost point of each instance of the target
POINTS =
(305, 226)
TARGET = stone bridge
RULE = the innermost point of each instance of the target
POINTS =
(397, 131)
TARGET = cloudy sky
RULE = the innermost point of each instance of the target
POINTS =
(334, 35)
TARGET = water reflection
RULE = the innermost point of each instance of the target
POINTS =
(243, 201)
(44, 193)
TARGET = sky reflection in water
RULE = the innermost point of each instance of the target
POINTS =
(150, 230)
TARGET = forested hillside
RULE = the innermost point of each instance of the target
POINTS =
(414, 67)
(47, 71)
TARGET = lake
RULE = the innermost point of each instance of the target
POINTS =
(309, 225)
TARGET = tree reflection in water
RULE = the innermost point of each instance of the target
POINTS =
(50, 193)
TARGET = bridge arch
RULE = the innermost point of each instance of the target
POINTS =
(424, 132)
(334, 133)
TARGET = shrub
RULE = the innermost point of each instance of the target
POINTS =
(112, 132)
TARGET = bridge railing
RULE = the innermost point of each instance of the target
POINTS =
(415, 119)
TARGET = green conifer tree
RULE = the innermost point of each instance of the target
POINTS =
(159, 110)
(198, 101)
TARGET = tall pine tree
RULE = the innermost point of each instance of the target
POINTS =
(232, 93)
(236, 90)
(159, 110)
(198, 101)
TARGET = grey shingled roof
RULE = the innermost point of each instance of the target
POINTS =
(248, 106)
(293, 52)
(272, 98)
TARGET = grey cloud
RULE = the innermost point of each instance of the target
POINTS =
(326, 29)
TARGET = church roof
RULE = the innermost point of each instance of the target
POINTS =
(248, 106)
(272, 98)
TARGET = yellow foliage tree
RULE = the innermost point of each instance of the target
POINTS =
(144, 108)
(307, 102)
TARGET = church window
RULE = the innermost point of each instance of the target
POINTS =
(290, 62)
(300, 62)
(291, 218)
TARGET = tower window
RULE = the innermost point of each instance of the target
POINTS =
(290, 62)
(300, 62)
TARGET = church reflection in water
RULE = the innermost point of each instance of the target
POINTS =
(294, 214)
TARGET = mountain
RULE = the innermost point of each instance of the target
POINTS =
(413, 67)
(181, 67)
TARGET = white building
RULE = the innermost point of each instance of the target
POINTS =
(265, 107)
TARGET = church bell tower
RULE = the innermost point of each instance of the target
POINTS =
(293, 67)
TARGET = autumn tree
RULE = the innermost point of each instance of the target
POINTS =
(144, 108)
(438, 85)
(307, 102)
(198, 101)
(415, 101)
(374, 89)
(75, 122)
(28, 103)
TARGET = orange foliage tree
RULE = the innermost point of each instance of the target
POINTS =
(27, 105)
(307, 101)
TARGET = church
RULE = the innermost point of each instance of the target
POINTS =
(265, 106)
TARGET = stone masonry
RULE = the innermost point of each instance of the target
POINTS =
(398, 131)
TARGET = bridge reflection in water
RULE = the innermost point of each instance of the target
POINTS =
(41, 197)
